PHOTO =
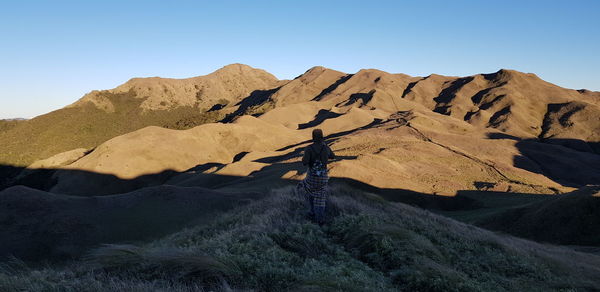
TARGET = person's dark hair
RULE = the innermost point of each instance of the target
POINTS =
(317, 135)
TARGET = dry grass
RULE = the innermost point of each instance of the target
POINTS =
(87, 127)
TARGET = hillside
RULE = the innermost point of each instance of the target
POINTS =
(518, 104)
(508, 131)
(6, 125)
(412, 150)
(141, 102)
(369, 244)
(187, 184)
(568, 219)
(74, 224)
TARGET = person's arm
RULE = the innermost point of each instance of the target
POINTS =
(306, 157)
(331, 154)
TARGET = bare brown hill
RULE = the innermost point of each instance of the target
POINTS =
(434, 135)
(418, 151)
(311, 85)
(227, 85)
(516, 103)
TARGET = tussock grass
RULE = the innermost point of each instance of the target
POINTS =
(178, 262)
(368, 244)
(87, 127)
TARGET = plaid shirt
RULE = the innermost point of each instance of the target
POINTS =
(315, 186)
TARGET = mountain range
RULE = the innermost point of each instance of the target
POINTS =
(514, 126)
(506, 151)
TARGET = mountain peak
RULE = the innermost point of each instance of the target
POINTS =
(316, 70)
(237, 68)
(507, 74)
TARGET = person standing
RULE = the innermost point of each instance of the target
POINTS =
(314, 186)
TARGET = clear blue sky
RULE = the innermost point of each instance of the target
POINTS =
(53, 52)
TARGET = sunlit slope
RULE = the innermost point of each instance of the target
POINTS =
(519, 104)
(413, 150)
(140, 102)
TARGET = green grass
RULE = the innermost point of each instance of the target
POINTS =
(491, 204)
(367, 245)
(569, 219)
(65, 129)
(24, 142)
(260, 109)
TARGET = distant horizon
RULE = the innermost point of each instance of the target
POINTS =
(55, 52)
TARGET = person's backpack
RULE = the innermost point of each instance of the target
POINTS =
(317, 167)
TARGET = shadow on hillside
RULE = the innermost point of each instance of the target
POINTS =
(552, 158)
(85, 184)
(320, 117)
(565, 219)
(255, 99)
(104, 184)
(158, 204)
(63, 224)
(332, 87)
(410, 86)
(335, 136)
(364, 98)
(40, 226)
(448, 94)
(569, 162)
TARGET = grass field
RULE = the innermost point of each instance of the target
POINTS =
(569, 219)
(368, 244)
(490, 204)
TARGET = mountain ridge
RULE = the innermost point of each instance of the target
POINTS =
(516, 103)
(163, 93)
(487, 149)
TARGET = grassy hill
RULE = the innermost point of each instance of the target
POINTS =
(369, 244)
(144, 214)
(516, 103)
(138, 103)
(6, 125)
(569, 219)
(87, 126)
(565, 219)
